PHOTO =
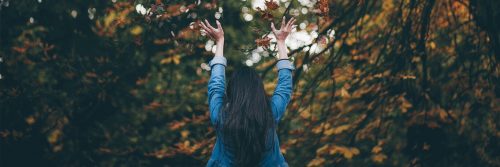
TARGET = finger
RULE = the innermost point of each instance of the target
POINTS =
(209, 34)
(207, 30)
(272, 27)
(205, 33)
(203, 26)
(283, 23)
(208, 25)
(287, 25)
(291, 23)
(218, 25)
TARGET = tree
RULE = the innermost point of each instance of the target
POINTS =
(378, 83)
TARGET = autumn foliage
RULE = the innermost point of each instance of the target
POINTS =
(124, 83)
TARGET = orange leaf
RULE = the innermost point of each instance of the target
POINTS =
(323, 7)
(379, 158)
(271, 5)
(264, 42)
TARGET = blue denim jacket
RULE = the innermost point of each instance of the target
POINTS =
(279, 101)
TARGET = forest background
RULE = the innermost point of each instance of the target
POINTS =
(124, 82)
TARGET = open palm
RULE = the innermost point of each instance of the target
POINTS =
(216, 34)
(285, 29)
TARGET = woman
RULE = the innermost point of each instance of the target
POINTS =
(245, 119)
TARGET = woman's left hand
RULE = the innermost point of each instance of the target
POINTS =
(216, 34)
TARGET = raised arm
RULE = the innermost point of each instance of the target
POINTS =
(281, 34)
(216, 84)
(283, 91)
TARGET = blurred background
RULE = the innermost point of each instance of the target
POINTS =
(124, 82)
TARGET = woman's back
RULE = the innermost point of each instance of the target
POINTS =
(221, 155)
(244, 118)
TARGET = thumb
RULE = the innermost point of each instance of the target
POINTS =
(272, 27)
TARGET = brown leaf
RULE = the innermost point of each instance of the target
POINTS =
(379, 158)
(264, 42)
(323, 7)
(267, 16)
(271, 5)
(19, 49)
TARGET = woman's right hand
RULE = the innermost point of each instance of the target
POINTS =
(216, 34)
(286, 28)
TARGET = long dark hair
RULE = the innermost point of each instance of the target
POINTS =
(247, 118)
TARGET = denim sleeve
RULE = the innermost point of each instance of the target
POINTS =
(283, 91)
(216, 86)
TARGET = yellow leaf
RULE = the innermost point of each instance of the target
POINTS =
(443, 115)
(305, 114)
(54, 136)
(343, 91)
(292, 141)
(176, 59)
(136, 30)
(388, 5)
(336, 130)
(109, 18)
(415, 59)
(405, 104)
(408, 76)
(350, 41)
(376, 149)
(30, 120)
(322, 149)
(316, 162)
(348, 153)
(317, 129)
(379, 158)
(184, 133)
(433, 45)
(165, 60)
(355, 150)
(158, 88)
